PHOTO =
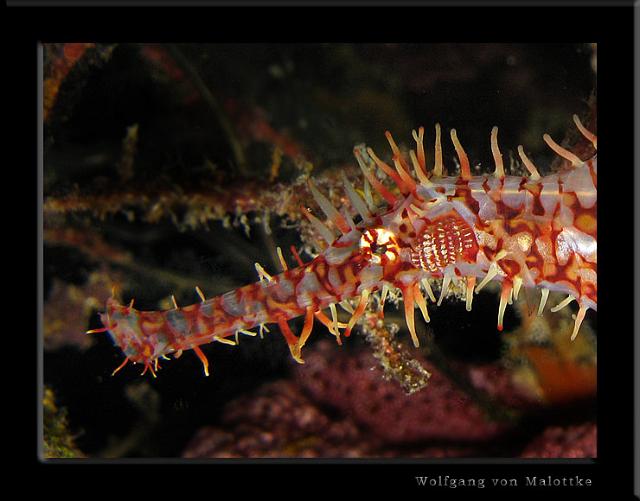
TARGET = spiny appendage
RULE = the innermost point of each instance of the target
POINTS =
(146, 336)
(444, 240)
(143, 336)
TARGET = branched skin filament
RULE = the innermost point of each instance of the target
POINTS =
(534, 232)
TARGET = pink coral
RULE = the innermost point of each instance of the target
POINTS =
(339, 405)
(577, 441)
(278, 420)
(355, 385)
(375, 417)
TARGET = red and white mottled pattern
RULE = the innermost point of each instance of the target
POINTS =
(534, 232)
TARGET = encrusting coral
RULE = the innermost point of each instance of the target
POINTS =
(279, 420)
(339, 405)
(354, 385)
(575, 441)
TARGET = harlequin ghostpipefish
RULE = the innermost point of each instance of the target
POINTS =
(522, 231)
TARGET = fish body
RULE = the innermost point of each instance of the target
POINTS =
(522, 231)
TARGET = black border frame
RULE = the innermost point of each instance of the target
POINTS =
(610, 27)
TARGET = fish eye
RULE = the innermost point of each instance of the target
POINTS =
(378, 249)
(379, 242)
